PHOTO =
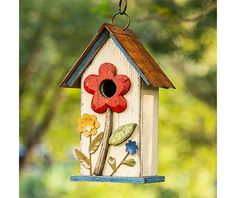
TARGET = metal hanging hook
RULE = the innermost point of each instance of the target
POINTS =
(125, 6)
(122, 12)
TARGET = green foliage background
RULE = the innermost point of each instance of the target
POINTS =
(180, 34)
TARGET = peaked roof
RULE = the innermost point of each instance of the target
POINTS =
(134, 51)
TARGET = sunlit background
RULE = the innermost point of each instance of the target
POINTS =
(180, 35)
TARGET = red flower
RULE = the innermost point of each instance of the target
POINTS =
(107, 89)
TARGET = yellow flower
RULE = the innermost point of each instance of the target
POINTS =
(88, 125)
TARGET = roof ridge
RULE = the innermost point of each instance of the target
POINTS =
(113, 29)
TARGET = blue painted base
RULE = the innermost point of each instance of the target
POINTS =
(137, 180)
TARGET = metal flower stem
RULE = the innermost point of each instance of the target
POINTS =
(119, 164)
(104, 147)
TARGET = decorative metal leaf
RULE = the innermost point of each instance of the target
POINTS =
(84, 161)
(94, 145)
(112, 162)
(122, 133)
(129, 162)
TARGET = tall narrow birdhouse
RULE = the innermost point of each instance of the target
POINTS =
(119, 84)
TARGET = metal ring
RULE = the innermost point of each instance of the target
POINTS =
(125, 7)
(119, 12)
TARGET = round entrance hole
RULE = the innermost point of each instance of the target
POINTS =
(108, 88)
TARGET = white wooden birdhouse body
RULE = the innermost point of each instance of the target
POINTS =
(119, 84)
(110, 53)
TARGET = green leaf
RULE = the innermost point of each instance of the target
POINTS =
(84, 161)
(94, 145)
(129, 162)
(122, 133)
(112, 162)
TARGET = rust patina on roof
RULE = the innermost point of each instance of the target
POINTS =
(134, 51)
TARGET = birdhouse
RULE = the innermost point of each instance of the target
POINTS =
(119, 83)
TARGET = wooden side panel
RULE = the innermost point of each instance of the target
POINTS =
(149, 130)
(111, 53)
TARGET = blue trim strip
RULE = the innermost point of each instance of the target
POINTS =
(137, 180)
(130, 60)
(87, 58)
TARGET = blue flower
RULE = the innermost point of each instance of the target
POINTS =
(131, 147)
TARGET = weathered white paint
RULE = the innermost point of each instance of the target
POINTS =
(149, 130)
(111, 53)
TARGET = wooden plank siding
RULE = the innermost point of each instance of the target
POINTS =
(111, 53)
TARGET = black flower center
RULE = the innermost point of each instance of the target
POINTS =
(108, 88)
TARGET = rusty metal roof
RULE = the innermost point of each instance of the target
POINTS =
(134, 51)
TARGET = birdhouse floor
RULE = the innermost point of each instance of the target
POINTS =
(137, 180)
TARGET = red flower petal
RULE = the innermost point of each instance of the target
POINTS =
(117, 103)
(91, 83)
(98, 103)
(122, 84)
(107, 69)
